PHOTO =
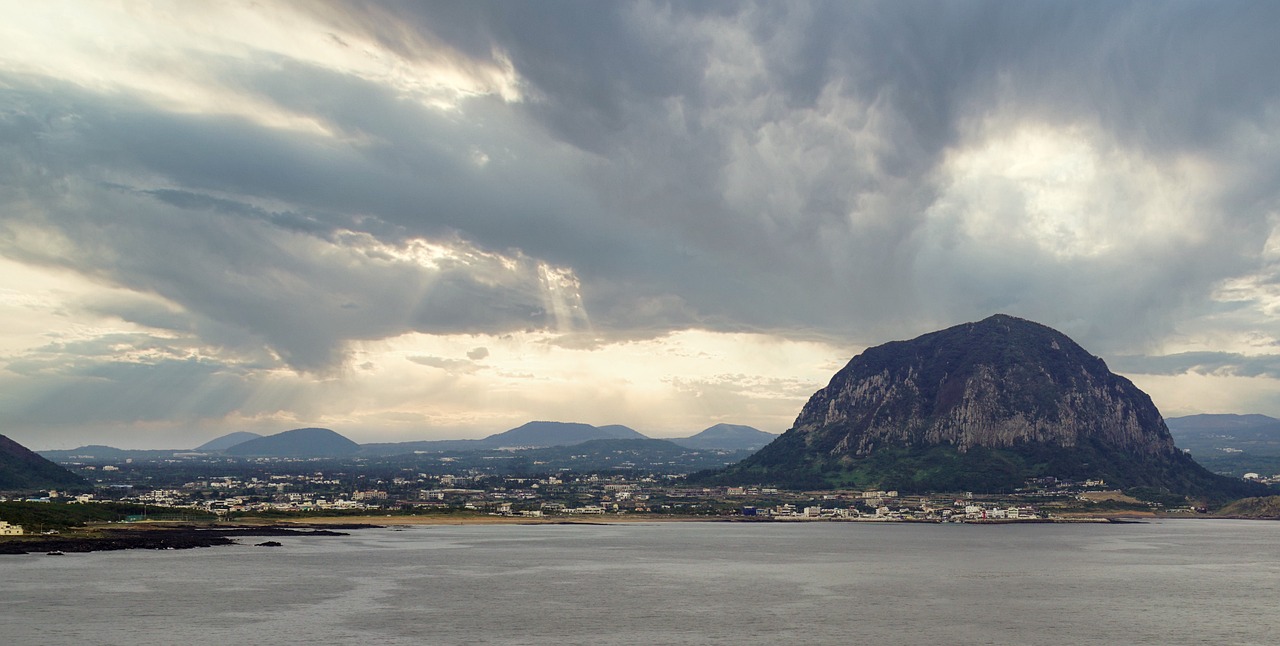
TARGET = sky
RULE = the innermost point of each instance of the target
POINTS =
(433, 220)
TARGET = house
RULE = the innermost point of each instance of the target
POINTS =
(10, 530)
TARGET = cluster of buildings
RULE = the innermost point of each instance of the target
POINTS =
(309, 486)
(1271, 479)
(959, 511)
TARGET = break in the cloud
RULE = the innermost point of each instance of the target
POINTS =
(411, 220)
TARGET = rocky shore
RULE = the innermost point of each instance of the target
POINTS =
(160, 538)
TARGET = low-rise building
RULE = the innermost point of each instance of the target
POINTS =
(10, 530)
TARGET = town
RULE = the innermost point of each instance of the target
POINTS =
(195, 488)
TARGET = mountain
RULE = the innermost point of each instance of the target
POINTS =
(537, 434)
(227, 441)
(297, 443)
(526, 436)
(1230, 444)
(22, 469)
(979, 407)
(1267, 508)
(1226, 433)
(728, 437)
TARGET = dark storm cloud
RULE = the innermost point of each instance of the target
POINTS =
(112, 392)
(643, 86)
(735, 166)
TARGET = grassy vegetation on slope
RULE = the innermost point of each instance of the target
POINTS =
(36, 516)
(1264, 507)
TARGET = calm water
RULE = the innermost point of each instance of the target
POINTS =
(1175, 582)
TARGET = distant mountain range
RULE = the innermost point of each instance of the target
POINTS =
(721, 437)
(318, 442)
(1230, 444)
(1207, 434)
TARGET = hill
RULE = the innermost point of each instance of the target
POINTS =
(539, 434)
(1226, 433)
(1260, 508)
(23, 470)
(981, 406)
(297, 443)
(645, 454)
(1230, 444)
(727, 437)
(530, 435)
(226, 441)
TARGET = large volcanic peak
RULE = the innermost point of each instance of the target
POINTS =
(994, 383)
(978, 406)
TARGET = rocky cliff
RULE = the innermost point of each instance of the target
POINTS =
(979, 406)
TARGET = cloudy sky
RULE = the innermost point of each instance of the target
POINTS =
(412, 220)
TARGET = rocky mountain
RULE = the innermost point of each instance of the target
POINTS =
(227, 441)
(979, 407)
(727, 437)
(22, 470)
(297, 443)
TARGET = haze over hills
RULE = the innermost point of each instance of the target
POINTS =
(227, 441)
(733, 437)
(22, 469)
(727, 437)
(1230, 444)
(978, 407)
(297, 443)
(538, 434)
(1205, 434)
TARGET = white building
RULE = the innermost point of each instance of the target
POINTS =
(10, 530)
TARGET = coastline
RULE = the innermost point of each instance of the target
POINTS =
(172, 536)
(158, 537)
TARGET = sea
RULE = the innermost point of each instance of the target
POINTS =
(1156, 582)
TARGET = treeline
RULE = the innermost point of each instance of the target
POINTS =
(43, 516)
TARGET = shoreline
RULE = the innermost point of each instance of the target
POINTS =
(162, 535)
(392, 521)
(157, 537)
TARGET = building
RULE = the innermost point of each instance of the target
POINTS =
(10, 530)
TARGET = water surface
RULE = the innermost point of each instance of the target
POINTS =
(1171, 582)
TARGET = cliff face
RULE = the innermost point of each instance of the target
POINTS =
(997, 383)
(980, 407)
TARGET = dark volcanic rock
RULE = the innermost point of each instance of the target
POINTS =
(152, 538)
(979, 406)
